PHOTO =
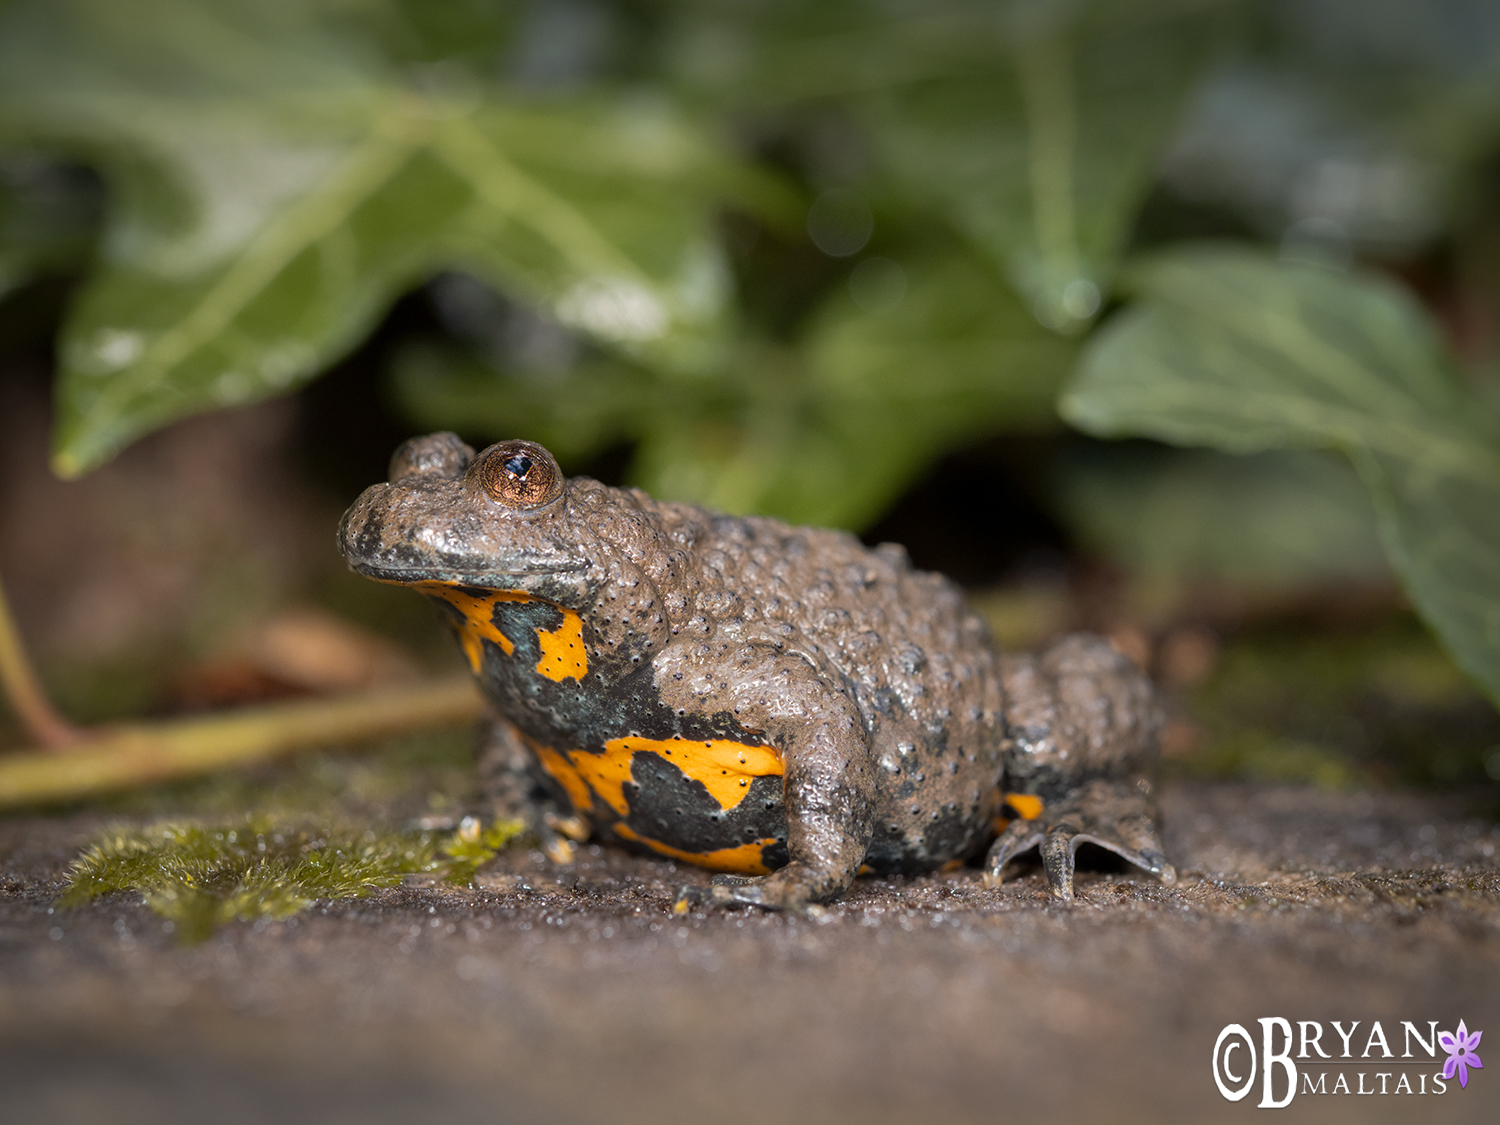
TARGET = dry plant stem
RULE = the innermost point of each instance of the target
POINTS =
(124, 756)
(24, 690)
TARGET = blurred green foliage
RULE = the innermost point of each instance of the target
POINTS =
(1265, 523)
(1233, 350)
(788, 253)
(280, 172)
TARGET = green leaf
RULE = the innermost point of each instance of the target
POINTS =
(1044, 159)
(277, 184)
(1267, 522)
(1340, 91)
(886, 376)
(1231, 349)
(904, 362)
(1033, 127)
(956, 358)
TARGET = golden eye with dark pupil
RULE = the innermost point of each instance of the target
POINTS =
(519, 474)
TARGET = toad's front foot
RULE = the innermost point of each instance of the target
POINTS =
(1117, 814)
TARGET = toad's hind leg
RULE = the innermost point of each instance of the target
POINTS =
(828, 786)
(1081, 725)
(511, 786)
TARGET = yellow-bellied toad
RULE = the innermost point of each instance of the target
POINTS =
(780, 704)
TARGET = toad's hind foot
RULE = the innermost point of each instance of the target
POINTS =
(1117, 814)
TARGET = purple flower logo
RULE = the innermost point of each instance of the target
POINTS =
(1460, 1047)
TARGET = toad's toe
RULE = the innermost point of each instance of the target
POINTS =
(1117, 814)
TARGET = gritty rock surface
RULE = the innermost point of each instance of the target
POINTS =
(551, 994)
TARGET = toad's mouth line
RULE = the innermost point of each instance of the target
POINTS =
(489, 577)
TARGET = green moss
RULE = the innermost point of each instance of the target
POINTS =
(474, 845)
(1333, 707)
(200, 876)
(1266, 756)
(205, 862)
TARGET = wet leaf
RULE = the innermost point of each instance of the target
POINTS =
(277, 182)
(1234, 350)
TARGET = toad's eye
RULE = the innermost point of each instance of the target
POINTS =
(519, 474)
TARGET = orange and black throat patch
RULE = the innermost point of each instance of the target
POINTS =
(563, 655)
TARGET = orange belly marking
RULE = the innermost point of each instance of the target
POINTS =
(1028, 806)
(606, 774)
(725, 768)
(560, 770)
(563, 654)
(742, 860)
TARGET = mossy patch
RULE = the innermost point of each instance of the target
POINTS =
(1377, 705)
(1260, 755)
(200, 876)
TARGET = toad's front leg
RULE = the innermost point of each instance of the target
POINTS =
(828, 786)
(512, 788)
(1081, 725)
